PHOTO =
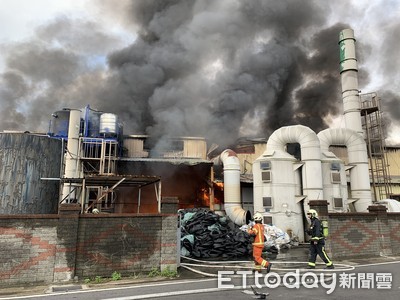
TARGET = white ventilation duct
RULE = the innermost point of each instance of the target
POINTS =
(281, 182)
(358, 160)
(310, 156)
(349, 79)
(232, 199)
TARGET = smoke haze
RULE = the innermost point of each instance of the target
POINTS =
(216, 69)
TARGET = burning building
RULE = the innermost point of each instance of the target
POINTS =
(86, 159)
(115, 173)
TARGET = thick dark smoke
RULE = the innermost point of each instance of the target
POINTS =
(218, 69)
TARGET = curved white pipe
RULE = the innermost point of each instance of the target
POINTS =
(357, 151)
(310, 155)
(232, 200)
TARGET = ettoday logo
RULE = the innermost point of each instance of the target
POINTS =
(309, 280)
(291, 280)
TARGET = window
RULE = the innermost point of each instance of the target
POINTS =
(266, 176)
(265, 165)
(335, 176)
(176, 145)
(268, 220)
(337, 202)
(267, 202)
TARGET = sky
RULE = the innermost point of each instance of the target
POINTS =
(222, 69)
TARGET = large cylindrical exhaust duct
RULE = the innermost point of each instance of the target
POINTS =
(232, 199)
(310, 155)
(349, 79)
(358, 160)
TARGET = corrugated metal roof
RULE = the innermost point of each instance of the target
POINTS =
(110, 180)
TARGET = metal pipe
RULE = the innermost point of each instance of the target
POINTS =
(138, 208)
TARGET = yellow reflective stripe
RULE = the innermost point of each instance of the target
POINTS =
(259, 235)
(258, 244)
(264, 262)
(311, 264)
(327, 257)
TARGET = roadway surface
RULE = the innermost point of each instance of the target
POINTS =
(377, 278)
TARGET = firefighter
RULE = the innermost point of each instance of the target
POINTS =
(317, 242)
(258, 245)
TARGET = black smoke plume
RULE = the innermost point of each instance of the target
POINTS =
(216, 69)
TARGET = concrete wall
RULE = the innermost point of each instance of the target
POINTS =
(53, 248)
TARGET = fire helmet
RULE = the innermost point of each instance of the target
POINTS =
(258, 217)
(313, 213)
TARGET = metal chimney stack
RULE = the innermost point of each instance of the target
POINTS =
(349, 78)
(72, 167)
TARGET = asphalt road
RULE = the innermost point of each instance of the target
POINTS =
(378, 279)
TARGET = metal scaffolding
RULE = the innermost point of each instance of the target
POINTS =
(374, 128)
(98, 155)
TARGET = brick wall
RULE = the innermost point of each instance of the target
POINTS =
(394, 225)
(53, 248)
(353, 235)
(373, 233)
(27, 248)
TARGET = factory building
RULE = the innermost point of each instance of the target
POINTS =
(86, 158)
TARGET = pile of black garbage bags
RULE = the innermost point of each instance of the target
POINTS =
(205, 234)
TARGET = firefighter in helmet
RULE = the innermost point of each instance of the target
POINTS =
(317, 241)
(258, 245)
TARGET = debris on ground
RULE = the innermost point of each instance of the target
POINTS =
(205, 234)
(275, 238)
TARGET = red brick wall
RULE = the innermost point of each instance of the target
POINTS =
(27, 248)
(353, 235)
(50, 248)
(363, 234)
(394, 225)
